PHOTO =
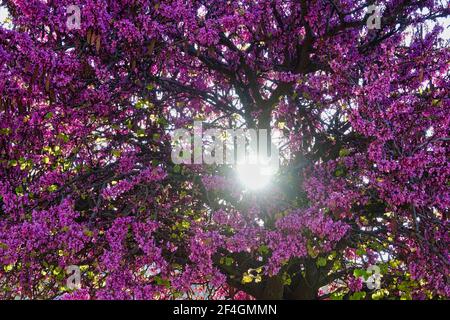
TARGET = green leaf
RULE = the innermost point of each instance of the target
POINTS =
(5, 131)
(19, 191)
(8, 267)
(435, 102)
(313, 252)
(359, 272)
(13, 163)
(336, 265)
(185, 224)
(162, 282)
(321, 262)
(88, 233)
(229, 261)
(140, 104)
(246, 279)
(141, 133)
(64, 137)
(263, 249)
(52, 188)
(378, 295)
(358, 295)
(337, 296)
(286, 279)
(344, 153)
(162, 121)
(116, 153)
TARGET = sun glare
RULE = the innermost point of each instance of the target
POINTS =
(255, 176)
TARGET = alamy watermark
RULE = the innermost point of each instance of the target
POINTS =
(374, 19)
(73, 21)
(229, 146)
(74, 280)
(373, 282)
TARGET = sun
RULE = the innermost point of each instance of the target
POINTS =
(255, 176)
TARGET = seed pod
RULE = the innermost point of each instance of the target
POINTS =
(35, 74)
(47, 83)
(20, 106)
(52, 96)
(421, 75)
(151, 46)
(89, 36)
(42, 78)
(97, 44)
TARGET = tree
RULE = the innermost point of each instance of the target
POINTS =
(87, 178)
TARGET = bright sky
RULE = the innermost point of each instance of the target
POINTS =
(2, 14)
